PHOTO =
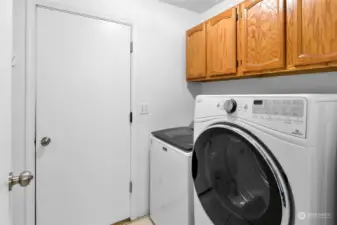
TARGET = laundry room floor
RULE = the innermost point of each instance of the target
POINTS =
(142, 221)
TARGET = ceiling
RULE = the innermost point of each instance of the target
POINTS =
(198, 6)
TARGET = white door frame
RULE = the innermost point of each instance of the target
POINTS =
(32, 5)
(6, 41)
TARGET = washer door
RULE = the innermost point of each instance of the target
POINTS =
(237, 180)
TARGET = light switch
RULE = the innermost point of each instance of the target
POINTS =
(144, 108)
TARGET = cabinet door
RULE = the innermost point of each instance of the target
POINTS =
(263, 35)
(196, 52)
(221, 44)
(315, 31)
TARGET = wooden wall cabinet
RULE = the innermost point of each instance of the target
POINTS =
(315, 31)
(264, 38)
(196, 52)
(263, 35)
(221, 44)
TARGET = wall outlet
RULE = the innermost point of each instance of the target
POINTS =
(144, 108)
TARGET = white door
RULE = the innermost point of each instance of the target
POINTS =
(5, 107)
(82, 107)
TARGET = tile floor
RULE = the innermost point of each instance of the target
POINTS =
(142, 221)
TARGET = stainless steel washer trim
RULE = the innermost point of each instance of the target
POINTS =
(278, 175)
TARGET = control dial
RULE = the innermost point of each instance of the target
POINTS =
(230, 106)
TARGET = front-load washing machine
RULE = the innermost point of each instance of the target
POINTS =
(265, 160)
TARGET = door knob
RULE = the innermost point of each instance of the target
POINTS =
(24, 179)
(45, 141)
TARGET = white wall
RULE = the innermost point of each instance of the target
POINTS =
(226, 4)
(158, 70)
(308, 83)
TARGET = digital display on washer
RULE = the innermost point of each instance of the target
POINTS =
(279, 107)
(258, 102)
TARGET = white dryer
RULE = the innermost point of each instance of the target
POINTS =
(265, 160)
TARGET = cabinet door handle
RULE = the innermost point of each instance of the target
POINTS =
(165, 149)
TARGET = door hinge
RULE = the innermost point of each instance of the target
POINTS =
(131, 47)
(131, 117)
(13, 61)
(237, 16)
(35, 141)
(237, 63)
(130, 186)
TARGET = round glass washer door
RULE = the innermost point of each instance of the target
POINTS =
(237, 180)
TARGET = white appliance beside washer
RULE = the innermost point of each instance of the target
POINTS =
(171, 187)
(265, 160)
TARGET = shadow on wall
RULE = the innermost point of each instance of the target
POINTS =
(308, 83)
(195, 89)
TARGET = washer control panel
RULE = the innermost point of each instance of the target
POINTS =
(287, 115)
(285, 108)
